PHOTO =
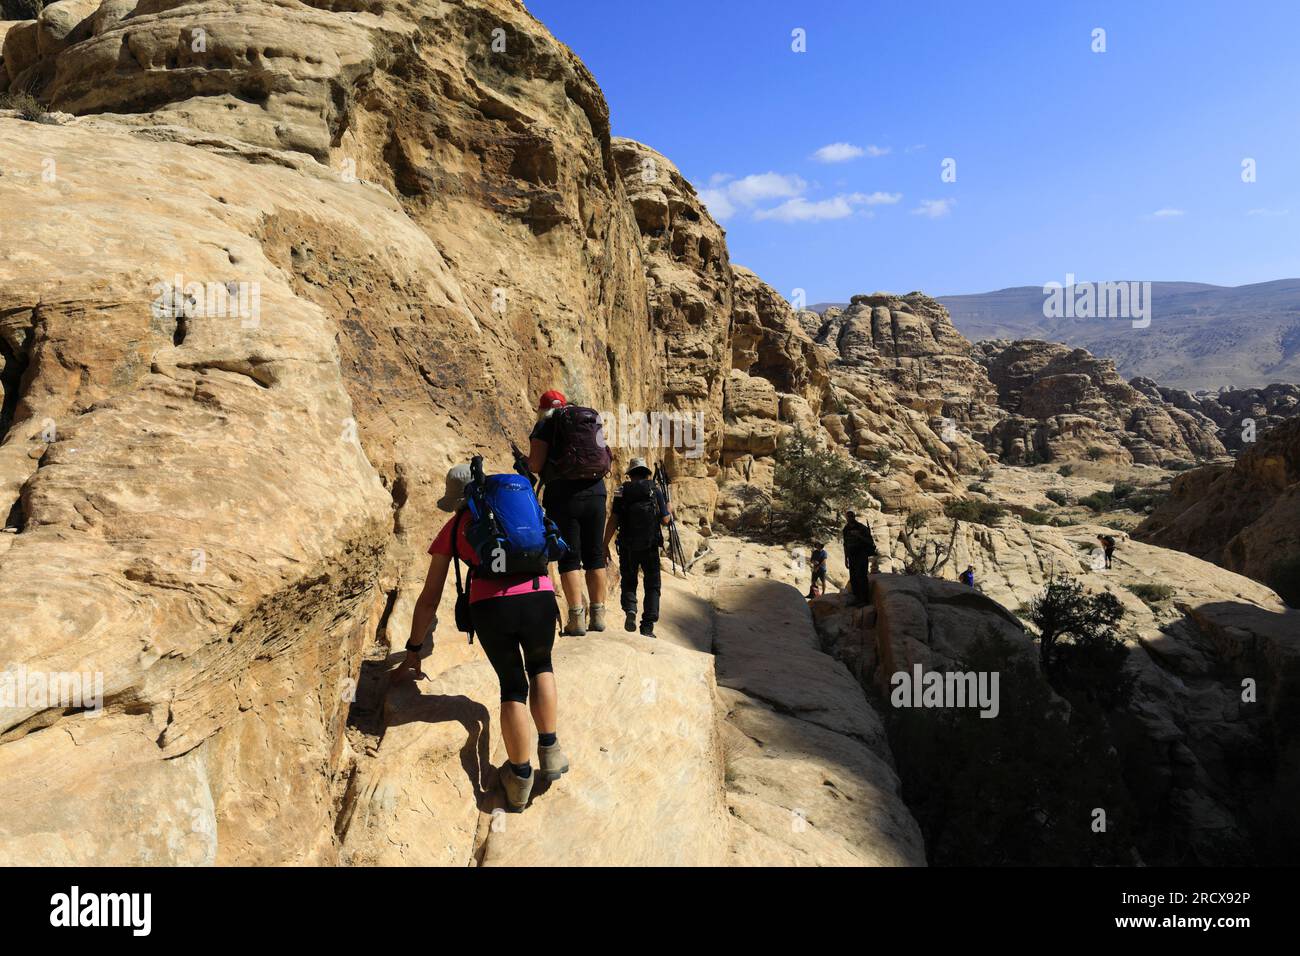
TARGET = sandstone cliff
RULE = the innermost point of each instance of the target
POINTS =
(1244, 516)
(1067, 404)
(387, 237)
(264, 278)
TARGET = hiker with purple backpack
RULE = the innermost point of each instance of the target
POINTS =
(567, 449)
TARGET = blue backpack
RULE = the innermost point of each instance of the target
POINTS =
(508, 530)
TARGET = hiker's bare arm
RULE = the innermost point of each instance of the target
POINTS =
(611, 525)
(536, 455)
(426, 609)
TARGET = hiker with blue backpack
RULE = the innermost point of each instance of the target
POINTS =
(498, 529)
(567, 449)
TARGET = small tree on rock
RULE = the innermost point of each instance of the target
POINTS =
(1078, 648)
(813, 486)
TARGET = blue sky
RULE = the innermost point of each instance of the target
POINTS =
(1125, 164)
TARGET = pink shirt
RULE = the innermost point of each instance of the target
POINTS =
(481, 589)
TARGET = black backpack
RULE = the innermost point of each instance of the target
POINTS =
(578, 449)
(857, 537)
(638, 526)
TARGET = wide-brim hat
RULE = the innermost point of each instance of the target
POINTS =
(454, 496)
(638, 464)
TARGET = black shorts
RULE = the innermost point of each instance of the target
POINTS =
(581, 521)
(517, 633)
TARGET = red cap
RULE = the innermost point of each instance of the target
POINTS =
(551, 399)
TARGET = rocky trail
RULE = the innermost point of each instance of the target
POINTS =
(731, 738)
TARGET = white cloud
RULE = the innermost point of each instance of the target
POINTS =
(726, 194)
(934, 208)
(800, 209)
(837, 153)
(1167, 213)
(716, 201)
(759, 186)
(843, 152)
(878, 198)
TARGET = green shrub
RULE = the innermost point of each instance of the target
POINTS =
(1099, 501)
(1030, 515)
(1078, 648)
(1058, 496)
(1122, 490)
(976, 512)
(1151, 594)
(28, 107)
(1095, 453)
(1065, 471)
(812, 486)
(1284, 578)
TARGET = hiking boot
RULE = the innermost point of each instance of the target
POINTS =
(629, 622)
(647, 628)
(597, 617)
(577, 622)
(518, 789)
(551, 762)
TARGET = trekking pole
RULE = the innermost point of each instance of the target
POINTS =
(676, 554)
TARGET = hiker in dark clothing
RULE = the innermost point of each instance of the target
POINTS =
(1108, 544)
(567, 449)
(638, 514)
(967, 577)
(859, 548)
(817, 587)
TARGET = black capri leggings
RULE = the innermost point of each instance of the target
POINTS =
(582, 526)
(507, 626)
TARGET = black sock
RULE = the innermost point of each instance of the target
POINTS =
(546, 740)
(524, 770)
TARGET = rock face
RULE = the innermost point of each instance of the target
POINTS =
(1066, 404)
(909, 400)
(1244, 516)
(217, 497)
(1241, 414)
(300, 259)
(690, 288)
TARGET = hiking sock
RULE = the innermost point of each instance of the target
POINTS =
(546, 740)
(523, 770)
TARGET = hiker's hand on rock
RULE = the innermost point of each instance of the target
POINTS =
(409, 668)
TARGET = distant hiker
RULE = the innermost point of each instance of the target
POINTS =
(817, 587)
(859, 547)
(967, 577)
(638, 514)
(567, 449)
(513, 614)
(1108, 545)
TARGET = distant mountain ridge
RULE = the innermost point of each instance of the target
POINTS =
(1201, 336)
